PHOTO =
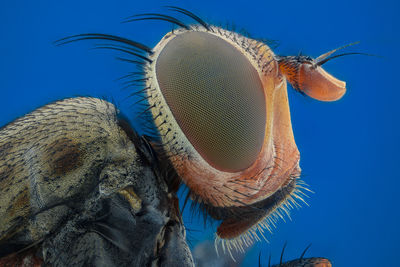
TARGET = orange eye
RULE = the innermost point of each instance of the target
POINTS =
(216, 97)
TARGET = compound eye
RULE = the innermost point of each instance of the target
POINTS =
(216, 97)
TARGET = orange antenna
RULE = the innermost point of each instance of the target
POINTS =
(306, 75)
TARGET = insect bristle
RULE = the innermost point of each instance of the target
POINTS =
(101, 36)
(267, 223)
(156, 16)
(190, 14)
(124, 50)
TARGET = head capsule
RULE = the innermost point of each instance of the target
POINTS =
(220, 104)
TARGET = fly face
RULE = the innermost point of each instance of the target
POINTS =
(219, 102)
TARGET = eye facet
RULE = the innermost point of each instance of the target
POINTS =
(216, 97)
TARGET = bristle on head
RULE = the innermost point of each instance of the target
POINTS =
(267, 221)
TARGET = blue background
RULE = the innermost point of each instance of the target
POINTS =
(349, 149)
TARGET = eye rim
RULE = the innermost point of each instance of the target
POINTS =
(216, 154)
(196, 173)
